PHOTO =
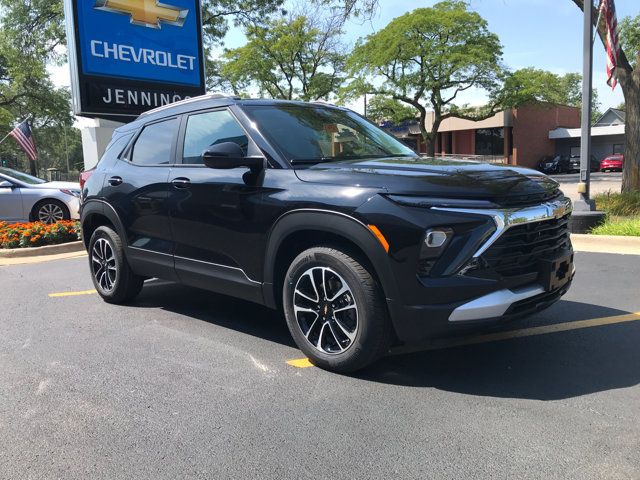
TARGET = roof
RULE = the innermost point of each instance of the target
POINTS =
(559, 133)
(612, 116)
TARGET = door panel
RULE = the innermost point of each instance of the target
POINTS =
(137, 188)
(215, 216)
(215, 221)
(11, 208)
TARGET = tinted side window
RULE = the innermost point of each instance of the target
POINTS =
(207, 129)
(114, 149)
(153, 146)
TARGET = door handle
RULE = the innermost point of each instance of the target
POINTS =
(115, 181)
(181, 182)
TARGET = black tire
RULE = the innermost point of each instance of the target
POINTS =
(120, 284)
(45, 211)
(372, 334)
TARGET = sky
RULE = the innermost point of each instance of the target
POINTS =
(545, 34)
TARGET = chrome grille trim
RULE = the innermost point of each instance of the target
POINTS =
(509, 217)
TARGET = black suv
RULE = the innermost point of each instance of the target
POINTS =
(311, 208)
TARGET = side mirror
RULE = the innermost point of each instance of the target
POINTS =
(6, 184)
(227, 155)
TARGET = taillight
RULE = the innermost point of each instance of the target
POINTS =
(84, 176)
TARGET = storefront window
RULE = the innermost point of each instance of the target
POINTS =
(490, 141)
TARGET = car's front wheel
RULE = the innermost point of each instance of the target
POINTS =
(335, 310)
(112, 276)
(50, 211)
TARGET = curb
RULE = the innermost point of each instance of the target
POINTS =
(42, 251)
(605, 244)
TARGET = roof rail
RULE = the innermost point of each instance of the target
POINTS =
(206, 96)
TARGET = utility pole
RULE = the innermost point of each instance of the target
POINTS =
(585, 203)
(66, 146)
(585, 216)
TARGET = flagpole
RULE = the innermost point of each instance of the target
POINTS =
(5, 137)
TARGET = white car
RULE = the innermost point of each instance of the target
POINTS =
(25, 198)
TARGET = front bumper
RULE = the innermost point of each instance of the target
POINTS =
(474, 298)
(73, 204)
(421, 322)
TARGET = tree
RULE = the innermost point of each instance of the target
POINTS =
(426, 58)
(628, 73)
(29, 38)
(531, 85)
(296, 58)
(382, 108)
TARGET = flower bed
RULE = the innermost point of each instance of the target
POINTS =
(38, 234)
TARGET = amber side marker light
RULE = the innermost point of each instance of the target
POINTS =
(383, 241)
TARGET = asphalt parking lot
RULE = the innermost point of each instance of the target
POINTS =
(188, 384)
(600, 183)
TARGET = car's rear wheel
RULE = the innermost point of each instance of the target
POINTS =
(335, 310)
(112, 276)
(50, 211)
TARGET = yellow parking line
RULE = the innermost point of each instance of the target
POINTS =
(498, 336)
(72, 294)
(300, 363)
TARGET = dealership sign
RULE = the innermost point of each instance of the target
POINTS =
(128, 56)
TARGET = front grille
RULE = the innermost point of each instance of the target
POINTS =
(521, 247)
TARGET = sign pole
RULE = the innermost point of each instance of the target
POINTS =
(585, 203)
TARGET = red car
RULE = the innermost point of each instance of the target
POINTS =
(612, 163)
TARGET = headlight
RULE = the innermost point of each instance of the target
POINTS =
(428, 202)
(74, 193)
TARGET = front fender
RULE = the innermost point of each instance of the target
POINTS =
(339, 224)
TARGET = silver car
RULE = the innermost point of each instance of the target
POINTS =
(25, 198)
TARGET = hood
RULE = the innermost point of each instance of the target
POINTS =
(58, 185)
(434, 176)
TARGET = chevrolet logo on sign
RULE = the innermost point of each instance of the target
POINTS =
(148, 13)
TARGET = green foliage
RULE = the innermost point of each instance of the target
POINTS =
(620, 204)
(425, 58)
(30, 34)
(382, 108)
(630, 38)
(532, 85)
(626, 226)
(297, 58)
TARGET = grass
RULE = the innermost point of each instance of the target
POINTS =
(627, 226)
(619, 204)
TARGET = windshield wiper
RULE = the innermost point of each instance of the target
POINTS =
(311, 161)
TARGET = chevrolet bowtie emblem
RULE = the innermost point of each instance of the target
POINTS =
(149, 13)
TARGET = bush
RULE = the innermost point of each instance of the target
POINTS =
(37, 234)
(620, 204)
(629, 226)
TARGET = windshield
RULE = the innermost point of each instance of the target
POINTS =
(23, 177)
(308, 134)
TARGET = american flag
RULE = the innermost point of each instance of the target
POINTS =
(22, 134)
(612, 41)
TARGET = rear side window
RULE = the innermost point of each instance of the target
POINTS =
(210, 128)
(115, 148)
(153, 146)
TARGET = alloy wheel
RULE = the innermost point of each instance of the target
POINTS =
(325, 310)
(50, 213)
(103, 262)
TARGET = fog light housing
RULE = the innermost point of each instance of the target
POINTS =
(436, 238)
(434, 244)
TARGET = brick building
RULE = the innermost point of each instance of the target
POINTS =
(518, 136)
